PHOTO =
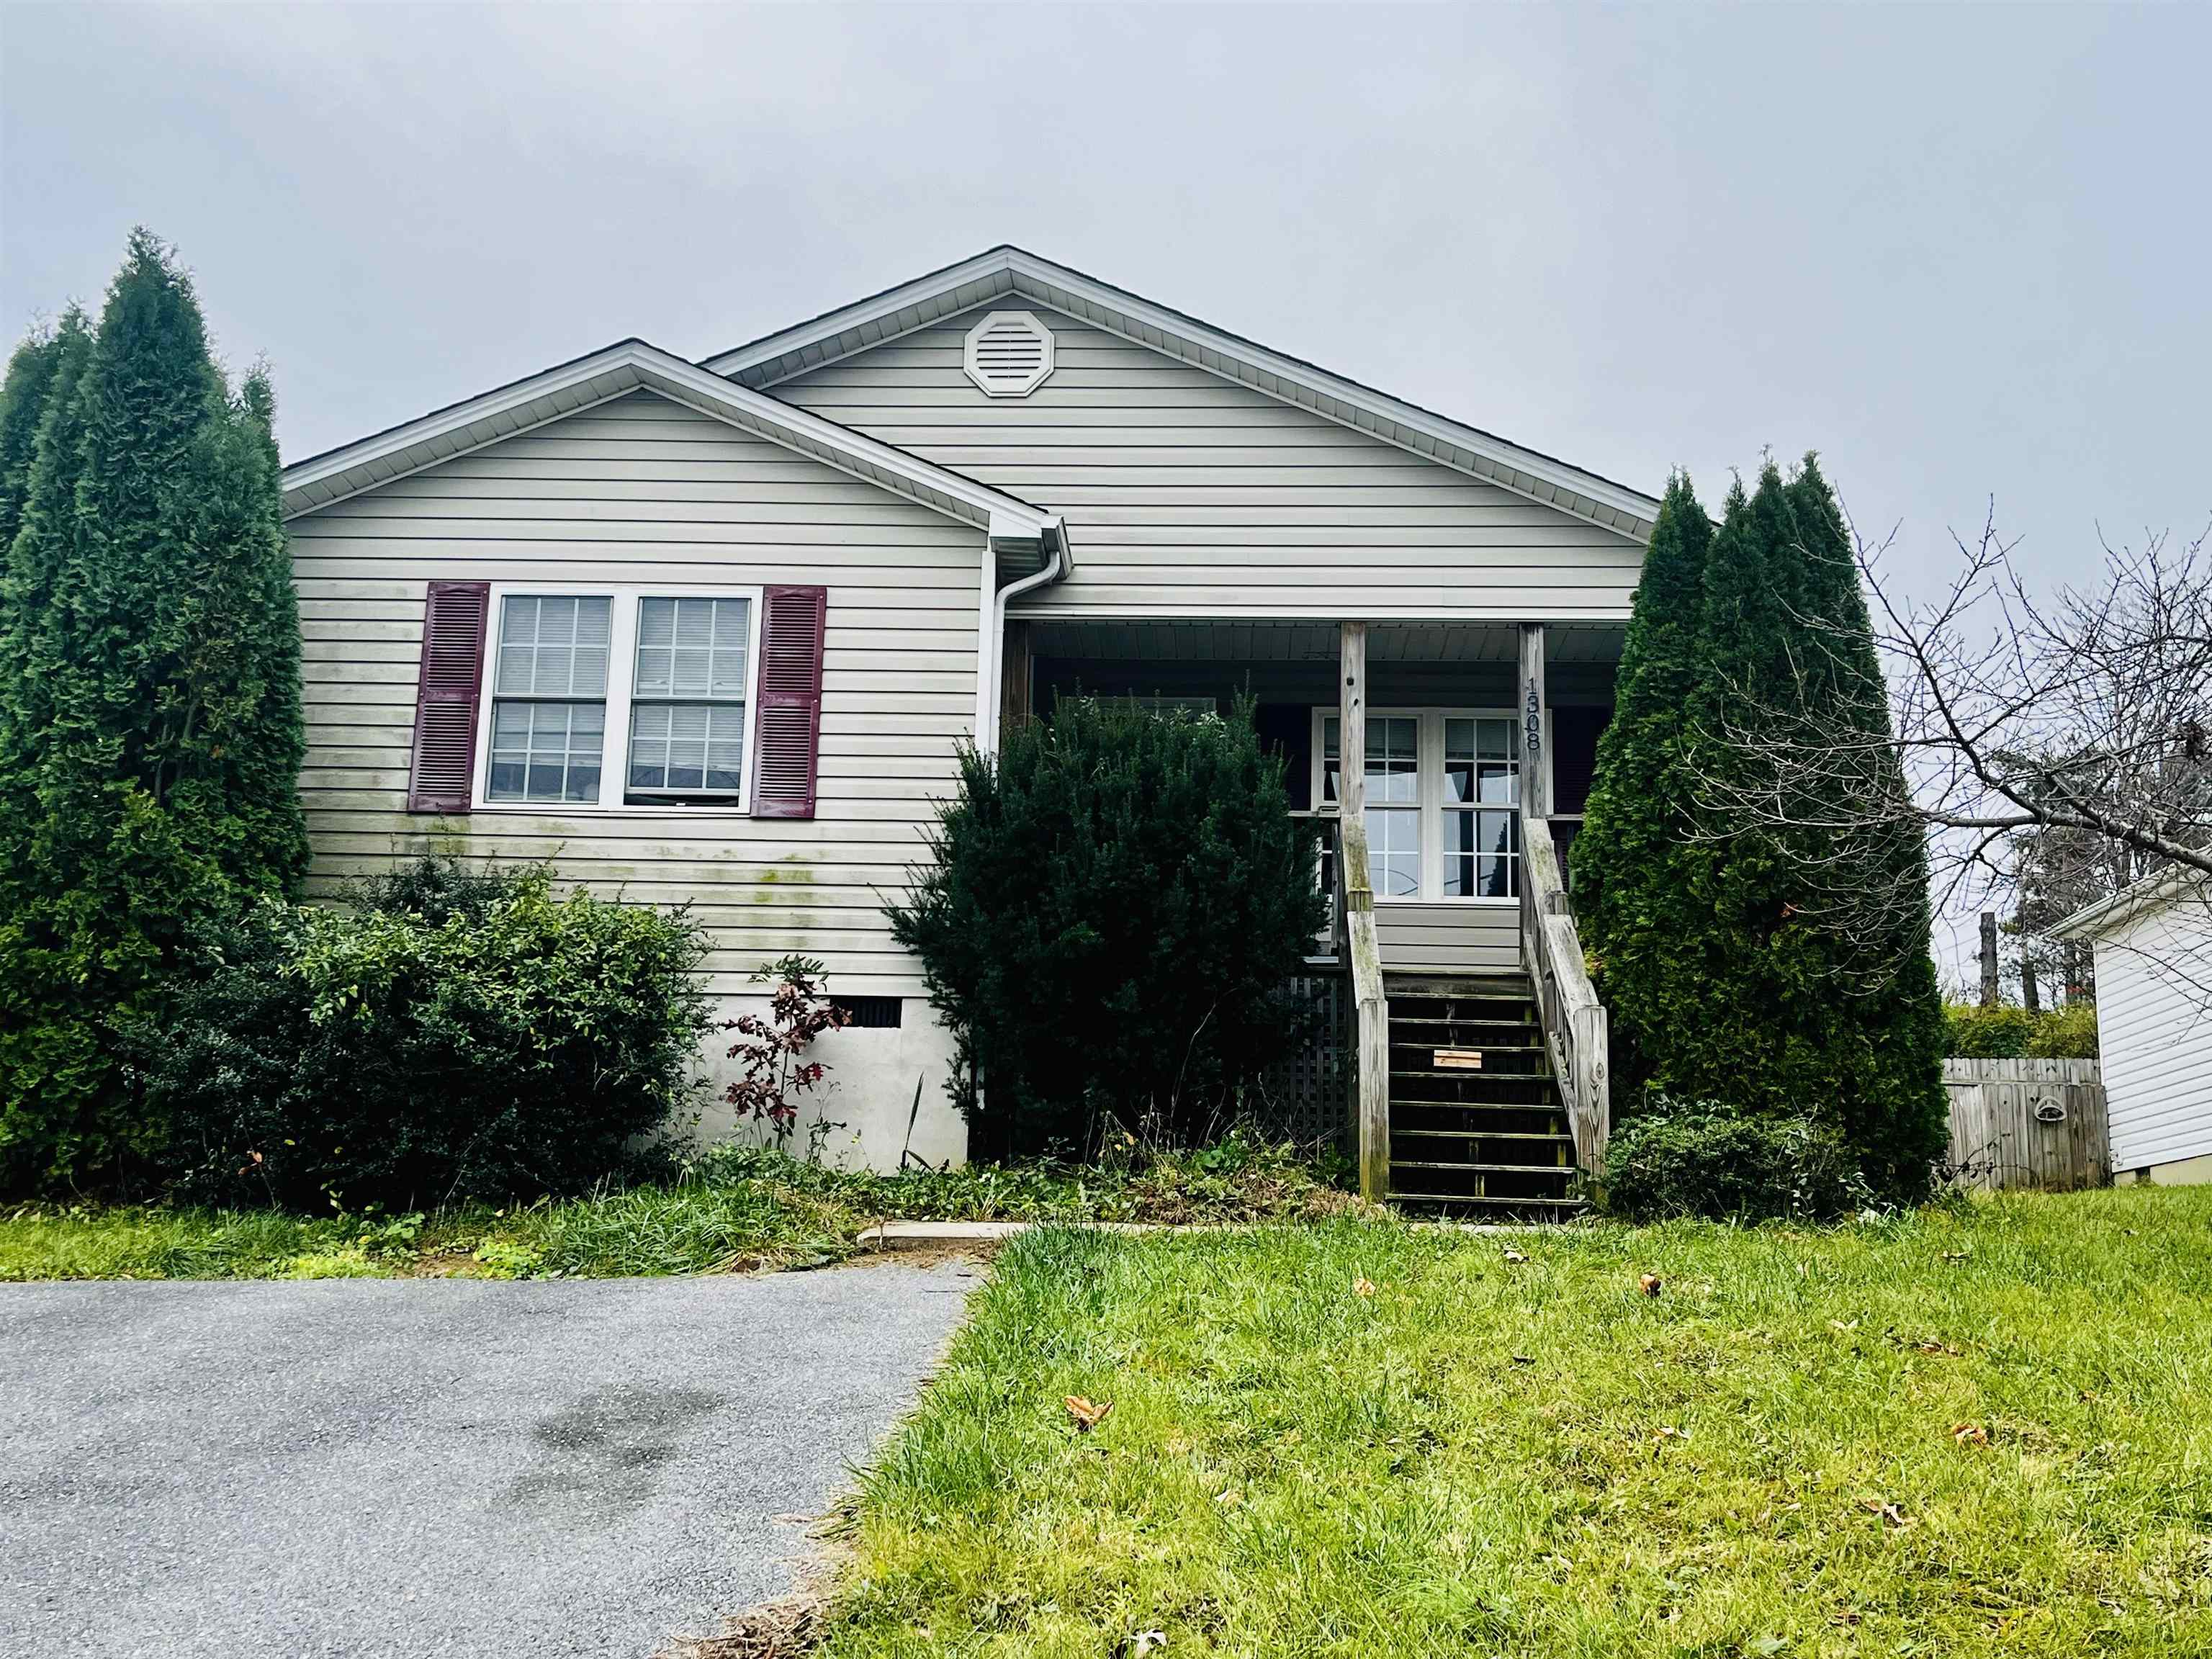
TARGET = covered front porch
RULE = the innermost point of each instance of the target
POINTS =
(1445, 766)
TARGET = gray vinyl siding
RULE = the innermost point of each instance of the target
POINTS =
(1187, 494)
(1447, 938)
(644, 490)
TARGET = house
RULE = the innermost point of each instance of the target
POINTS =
(2153, 945)
(711, 632)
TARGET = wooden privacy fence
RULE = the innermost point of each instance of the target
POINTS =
(2028, 1123)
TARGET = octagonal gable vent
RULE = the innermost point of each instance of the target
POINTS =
(1008, 354)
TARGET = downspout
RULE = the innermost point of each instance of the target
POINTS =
(992, 668)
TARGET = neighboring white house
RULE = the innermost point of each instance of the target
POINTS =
(713, 633)
(2153, 957)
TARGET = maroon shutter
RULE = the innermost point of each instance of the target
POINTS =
(454, 618)
(789, 730)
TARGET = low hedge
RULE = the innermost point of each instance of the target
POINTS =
(1705, 1158)
(454, 1034)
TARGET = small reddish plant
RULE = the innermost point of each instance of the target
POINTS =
(773, 1071)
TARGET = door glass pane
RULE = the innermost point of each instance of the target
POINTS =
(1393, 762)
(1394, 851)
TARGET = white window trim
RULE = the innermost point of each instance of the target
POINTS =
(1429, 750)
(621, 673)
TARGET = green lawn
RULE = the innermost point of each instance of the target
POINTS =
(739, 1209)
(1980, 1430)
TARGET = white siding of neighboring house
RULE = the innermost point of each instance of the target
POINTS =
(1187, 494)
(645, 491)
(2155, 1038)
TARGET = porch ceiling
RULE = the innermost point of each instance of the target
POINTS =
(1315, 641)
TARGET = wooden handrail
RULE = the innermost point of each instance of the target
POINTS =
(1573, 1019)
(1369, 1071)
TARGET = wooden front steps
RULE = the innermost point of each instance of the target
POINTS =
(1473, 1140)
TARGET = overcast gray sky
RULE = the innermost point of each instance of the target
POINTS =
(1962, 252)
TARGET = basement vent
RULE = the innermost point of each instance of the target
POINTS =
(872, 1013)
(1008, 354)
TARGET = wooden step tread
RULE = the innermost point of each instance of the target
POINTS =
(1397, 1041)
(1557, 1109)
(1477, 1198)
(1486, 1134)
(1462, 1024)
(1485, 1168)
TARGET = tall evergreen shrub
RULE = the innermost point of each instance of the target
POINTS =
(1113, 908)
(1635, 911)
(1737, 969)
(151, 741)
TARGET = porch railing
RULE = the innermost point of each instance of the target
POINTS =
(1573, 1018)
(1368, 1074)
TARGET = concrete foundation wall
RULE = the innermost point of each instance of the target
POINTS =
(862, 1106)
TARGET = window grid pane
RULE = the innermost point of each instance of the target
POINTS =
(546, 751)
(688, 748)
(689, 699)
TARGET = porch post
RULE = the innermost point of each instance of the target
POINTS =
(1352, 721)
(1535, 761)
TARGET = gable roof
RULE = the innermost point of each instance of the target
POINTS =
(1006, 270)
(630, 366)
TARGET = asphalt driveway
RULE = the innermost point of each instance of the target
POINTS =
(422, 1466)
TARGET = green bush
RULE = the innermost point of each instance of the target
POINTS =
(2067, 1033)
(1114, 909)
(1703, 1158)
(500, 1041)
(2004, 1032)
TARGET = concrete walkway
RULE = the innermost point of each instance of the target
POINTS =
(410, 1468)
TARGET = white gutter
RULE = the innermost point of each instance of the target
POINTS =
(991, 650)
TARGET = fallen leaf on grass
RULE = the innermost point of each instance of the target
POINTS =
(1363, 1286)
(1514, 1255)
(1892, 1515)
(1229, 1497)
(1649, 1284)
(1145, 1641)
(1087, 1415)
(1970, 1434)
(1839, 1325)
(1958, 1255)
(1663, 1434)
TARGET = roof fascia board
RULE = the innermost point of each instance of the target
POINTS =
(2129, 904)
(839, 334)
(630, 366)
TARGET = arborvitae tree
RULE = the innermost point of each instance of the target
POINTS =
(153, 731)
(1888, 1011)
(1115, 905)
(41, 525)
(23, 403)
(1759, 988)
(1630, 896)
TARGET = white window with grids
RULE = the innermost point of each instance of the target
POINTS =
(688, 697)
(612, 698)
(1393, 799)
(1444, 797)
(549, 711)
